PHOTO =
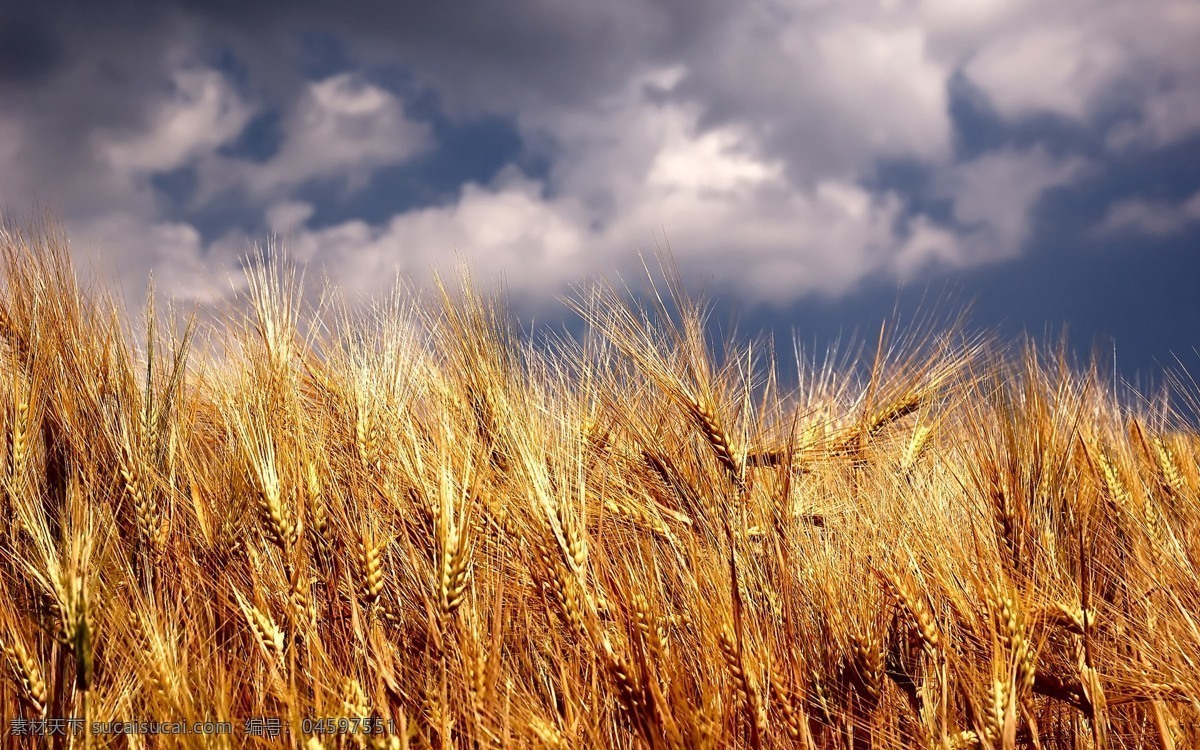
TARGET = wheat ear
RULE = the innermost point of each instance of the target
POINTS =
(706, 420)
(270, 635)
(32, 687)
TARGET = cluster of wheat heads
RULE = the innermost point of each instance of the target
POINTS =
(410, 515)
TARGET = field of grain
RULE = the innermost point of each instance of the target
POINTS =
(413, 519)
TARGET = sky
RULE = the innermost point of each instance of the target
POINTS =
(814, 165)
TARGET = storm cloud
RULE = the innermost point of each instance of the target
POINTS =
(792, 150)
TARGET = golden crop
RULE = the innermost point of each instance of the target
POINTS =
(632, 540)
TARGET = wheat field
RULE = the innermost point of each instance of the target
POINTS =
(408, 526)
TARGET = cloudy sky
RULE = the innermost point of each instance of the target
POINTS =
(813, 163)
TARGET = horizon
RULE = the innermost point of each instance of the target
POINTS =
(815, 168)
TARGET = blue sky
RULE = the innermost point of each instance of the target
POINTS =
(814, 164)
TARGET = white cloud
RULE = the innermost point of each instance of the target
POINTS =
(1155, 218)
(716, 161)
(108, 205)
(342, 128)
(505, 229)
(737, 220)
(125, 249)
(1078, 60)
(288, 216)
(993, 196)
(927, 244)
(732, 215)
(1168, 116)
(885, 88)
(969, 16)
(201, 113)
(1045, 69)
(1166, 91)
(828, 87)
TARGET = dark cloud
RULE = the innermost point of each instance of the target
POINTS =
(789, 148)
(482, 55)
(29, 50)
(100, 65)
